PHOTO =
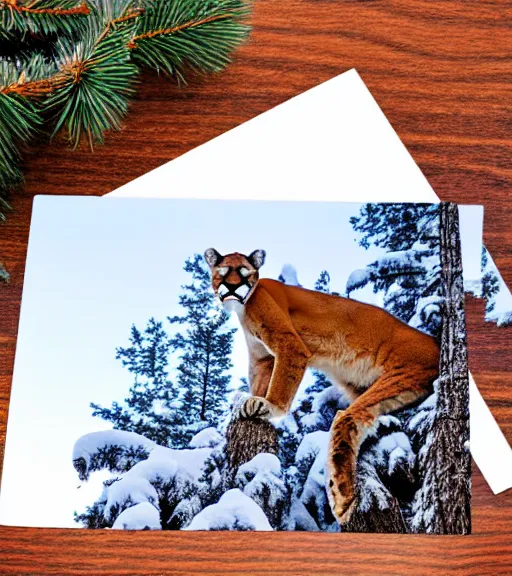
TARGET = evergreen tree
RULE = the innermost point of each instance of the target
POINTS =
(170, 412)
(490, 281)
(323, 284)
(408, 274)
(151, 409)
(204, 349)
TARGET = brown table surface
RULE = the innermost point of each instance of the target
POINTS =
(441, 70)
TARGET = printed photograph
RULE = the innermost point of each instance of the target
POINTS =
(221, 365)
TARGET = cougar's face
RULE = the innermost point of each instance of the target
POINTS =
(235, 275)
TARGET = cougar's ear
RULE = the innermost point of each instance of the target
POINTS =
(257, 258)
(212, 257)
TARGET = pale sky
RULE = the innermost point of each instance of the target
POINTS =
(95, 266)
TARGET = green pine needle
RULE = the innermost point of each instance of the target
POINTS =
(174, 36)
(85, 81)
(97, 79)
(19, 120)
(43, 16)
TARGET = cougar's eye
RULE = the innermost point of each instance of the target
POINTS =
(223, 270)
(245, 272)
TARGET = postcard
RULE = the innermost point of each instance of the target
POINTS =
(241, 365)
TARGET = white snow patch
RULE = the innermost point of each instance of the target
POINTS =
(139, 517)
(388, 420)
(260, 463)
(190, 462)
(89, 444)
(312, 444)
(289, 275)
(234, 511)
(133, 486)
(207, 438)
(396, 439)
(357, 279)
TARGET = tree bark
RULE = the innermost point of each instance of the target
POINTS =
(245, 438)
(374, 520)
(446, 469)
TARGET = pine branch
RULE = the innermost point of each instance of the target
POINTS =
(172, 36)
(86, 75)
(43, 16)
(95, 77)
(19, 121)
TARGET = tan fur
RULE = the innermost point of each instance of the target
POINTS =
(381, 363)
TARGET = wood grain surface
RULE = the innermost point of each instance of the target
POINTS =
(442, 71)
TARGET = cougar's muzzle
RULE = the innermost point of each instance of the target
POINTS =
(229, 290)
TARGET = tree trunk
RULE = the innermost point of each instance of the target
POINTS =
(375, 519)
(445, 498)
(245, 438)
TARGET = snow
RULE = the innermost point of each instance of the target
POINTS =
(234, 511)
(314, 496)
(388, 421)
(164, 465)
(207, 438)
(372, 492)
(311, 445)
(90, 445)
(301, 519)
(426, 308)
(289, 275)
(261, 480)
(403, 259)
(289, 424)
(159, 406)
(166, 460)
(504, 319)
(262, 462)
(131, 487)
(424, 415)
(86, 446)
(357, 279)
(330, 394)
(143, 516)
(185, 511)
(159, 465)
(395, 440)
(396, 460)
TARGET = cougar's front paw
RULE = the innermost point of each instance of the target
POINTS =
(257, 407)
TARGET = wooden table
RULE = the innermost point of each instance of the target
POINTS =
(442, 72)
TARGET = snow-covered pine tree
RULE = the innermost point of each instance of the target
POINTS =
(204, 347)
(170, 412)
(409, 277)
(490, 282)
(149, 410)
(494, 287)
(408, 274)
